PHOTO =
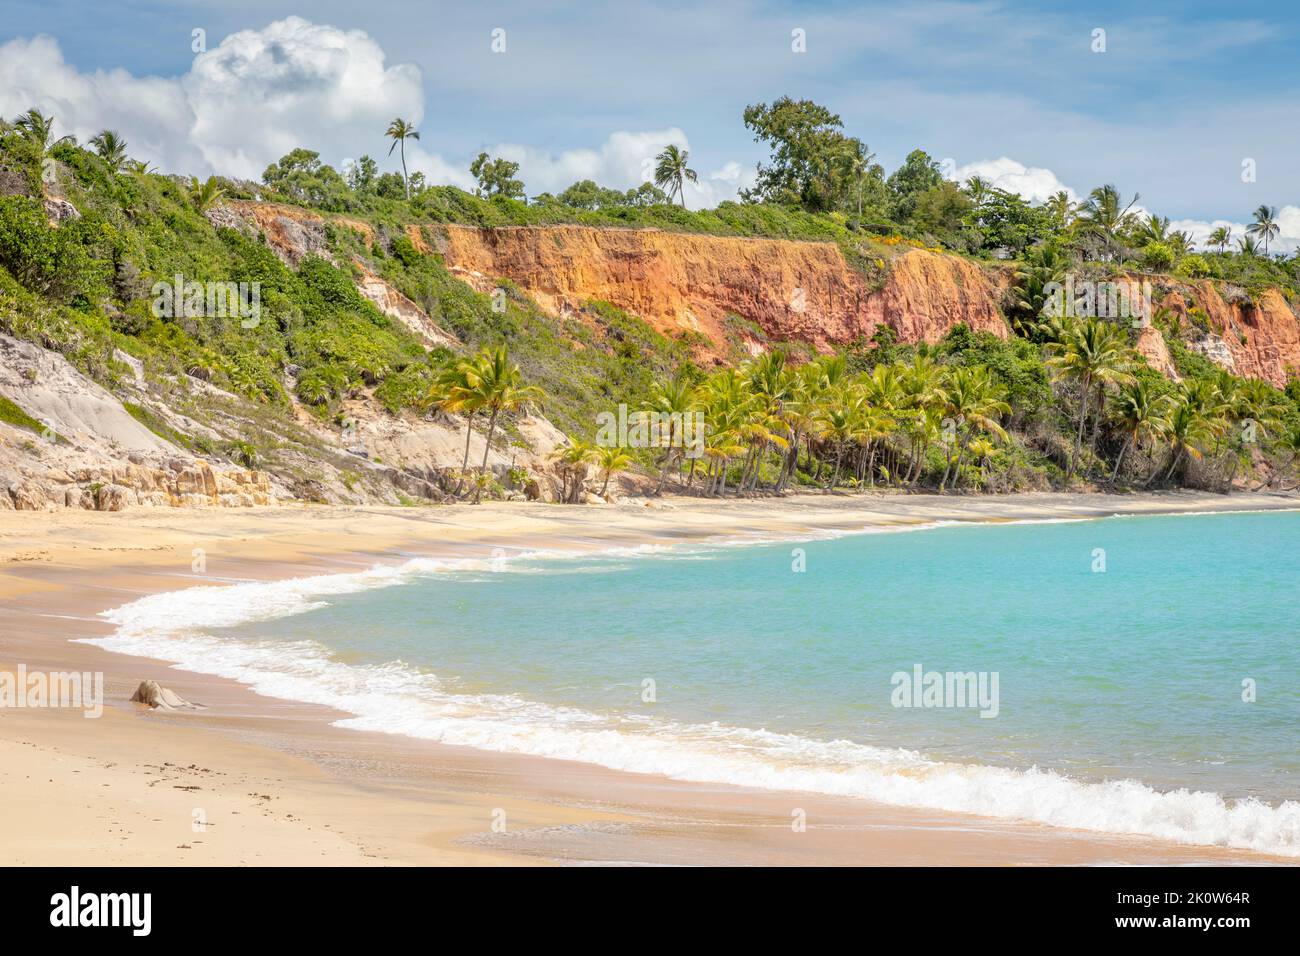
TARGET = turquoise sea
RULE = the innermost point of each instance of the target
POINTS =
(1146, 669)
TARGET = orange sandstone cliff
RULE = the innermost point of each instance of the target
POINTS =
(681, 281)
(788, 289)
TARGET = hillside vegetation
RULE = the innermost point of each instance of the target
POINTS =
(86, 234)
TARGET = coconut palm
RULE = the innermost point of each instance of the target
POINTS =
(1188, 428)
(1139, 412)
(672, 173)
(39, 128)
(399, 131)
(974, 401)
(1220, 236)
(611, 460)
(1152, 229)
(1060, 207)
(497, 386)
(1265, 225)
(111, 149)
(676, 399)
(207, 194)
(573, 457)
(1247, 246)
(453, 391)
(1094, 354)
(1105, 215)
(1039, 268)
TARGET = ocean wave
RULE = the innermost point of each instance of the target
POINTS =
(398, 698)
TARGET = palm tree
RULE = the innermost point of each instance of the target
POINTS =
(676, 399)
(206, 194)
(1106, 216)
(497, 386)
(140, 167)
(611, 461)
(1039, 268)
(39, 128)
(1095, 354)
(671, 172)
(1061, 209)
(574, 455)
(1265, 224)
(975, 401)
(1140, 412)
(1153, 229)
(1247, 246)
(1220, 236)
(453, 392)
(1187, 429)
(399, 131)
(111, 149)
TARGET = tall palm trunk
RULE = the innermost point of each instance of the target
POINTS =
(405, 179)
(1084, 399)
(487, 447)
(464, 462)
(1119, 462)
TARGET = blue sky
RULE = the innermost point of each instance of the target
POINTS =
(1182, 95)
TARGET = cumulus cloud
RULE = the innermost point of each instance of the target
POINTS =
(624, 161)
(1034, 183)
(1286, 240)
(242, 105)
(260, 93)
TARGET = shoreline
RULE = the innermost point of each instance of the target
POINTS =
(354, 797)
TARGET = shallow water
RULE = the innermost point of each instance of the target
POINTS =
(1119, 702)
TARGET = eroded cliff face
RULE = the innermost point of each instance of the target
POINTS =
(677, 281)
(789, 290)
(1254, 339)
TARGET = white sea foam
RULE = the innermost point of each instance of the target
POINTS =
(398, 698)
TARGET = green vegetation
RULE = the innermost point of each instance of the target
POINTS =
(1059, 402)
(11, 414)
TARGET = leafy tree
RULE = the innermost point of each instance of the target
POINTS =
(813, 164)
(300, 176)
(496, 177)
(941, 209)
(918, 174)
(362, 174)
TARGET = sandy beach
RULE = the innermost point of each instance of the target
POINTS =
(252, 780)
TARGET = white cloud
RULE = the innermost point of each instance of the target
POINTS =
(624, 161)
(1034, 183)
(260, 93)
(241, 106)
(1286, 240)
